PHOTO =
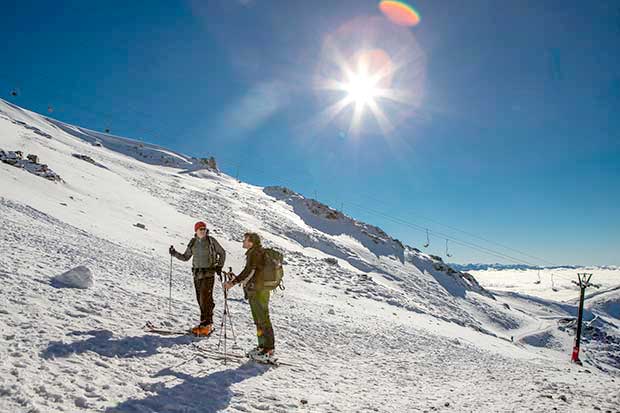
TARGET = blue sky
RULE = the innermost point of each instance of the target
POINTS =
(515, 135)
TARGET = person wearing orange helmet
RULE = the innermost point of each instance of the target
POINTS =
(208, 260)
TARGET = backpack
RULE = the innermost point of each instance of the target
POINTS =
(273, 270)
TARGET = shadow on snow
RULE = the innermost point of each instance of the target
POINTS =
(103, 343)
(210, 393)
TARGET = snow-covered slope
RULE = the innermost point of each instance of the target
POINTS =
(370, 324)
(606, 302)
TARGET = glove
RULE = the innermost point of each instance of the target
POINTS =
(171, 250)
(218, 270)
(230, 275)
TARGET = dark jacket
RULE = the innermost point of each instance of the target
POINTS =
(252, 274)
(207, 254)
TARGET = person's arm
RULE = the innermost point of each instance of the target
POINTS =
(186, 255)
(248, 271)
(221, 253)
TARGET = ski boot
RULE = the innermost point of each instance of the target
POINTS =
(253, 352)
(265, 356)
(202, 330)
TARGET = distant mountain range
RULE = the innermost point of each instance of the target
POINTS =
(497, 266)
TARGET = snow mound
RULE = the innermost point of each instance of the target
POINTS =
(78, 277)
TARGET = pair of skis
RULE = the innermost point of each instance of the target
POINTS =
(214, 354)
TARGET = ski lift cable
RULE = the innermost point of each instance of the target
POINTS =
(453, 239)
(460, 242)
(463, 243)
(489, 241)
(486, 250)
(69, 92)
(472, 235)
(456, 229)
(420, 228)
(456, 241)
(417, 227)
(478, 237)
(107, 115)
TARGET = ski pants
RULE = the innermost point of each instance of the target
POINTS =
(259, 304)
(204, 296)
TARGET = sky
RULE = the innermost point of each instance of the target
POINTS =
(503, 122)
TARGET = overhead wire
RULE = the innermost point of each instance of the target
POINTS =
(424, 229)
(474, 235)
(238, 165)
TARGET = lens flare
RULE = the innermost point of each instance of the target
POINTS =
(370, 77)
(399, 13)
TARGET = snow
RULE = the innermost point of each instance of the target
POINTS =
(525, 281)
(606, 302)
(78, 277)
(387, 329)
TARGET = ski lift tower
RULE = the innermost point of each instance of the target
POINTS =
(584, 282)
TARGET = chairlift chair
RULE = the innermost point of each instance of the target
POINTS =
(447, 253)
(553, 285)
(428, 241)
(538, 281)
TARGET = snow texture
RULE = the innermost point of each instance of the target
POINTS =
(367, 323)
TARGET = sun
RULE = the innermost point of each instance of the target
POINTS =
(365, 80)
(361, 89)
(369, 79)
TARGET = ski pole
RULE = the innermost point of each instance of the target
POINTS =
(226, 319)
(223, 322)
(229, 277)
(170, 291)
(225, 316)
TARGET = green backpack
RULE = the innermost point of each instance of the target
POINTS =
(273, 270)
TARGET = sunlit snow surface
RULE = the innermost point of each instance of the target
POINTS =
(369, 324)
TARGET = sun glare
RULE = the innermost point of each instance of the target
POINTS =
(366, 78)
(361, 89)
(370, 77)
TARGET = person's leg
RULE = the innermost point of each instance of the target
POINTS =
(264, 330)
(254, 307)
(206, 301)
(197, 288)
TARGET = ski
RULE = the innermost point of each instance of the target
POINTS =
(271, 362)
(219, 353)
(241, 357)
(152, 328)
(168, 332)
